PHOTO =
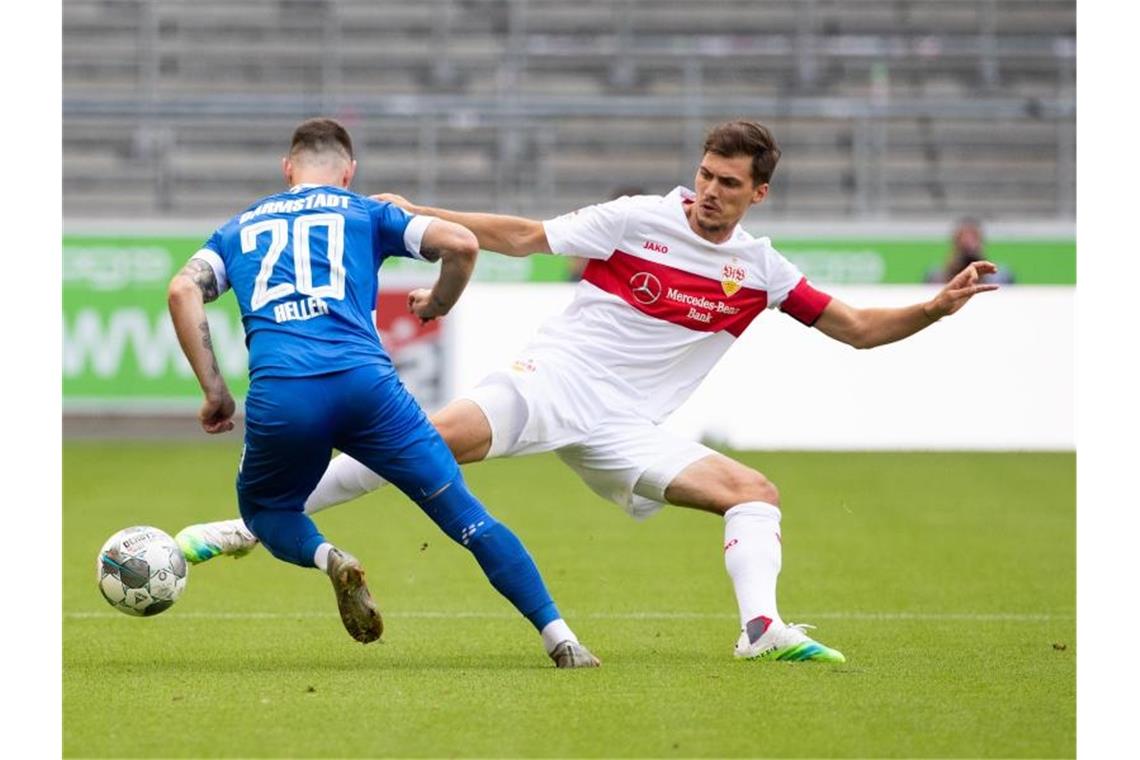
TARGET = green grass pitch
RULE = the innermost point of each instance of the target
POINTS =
(948, 580)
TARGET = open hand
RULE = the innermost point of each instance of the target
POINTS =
(962, 288)
(396, 200)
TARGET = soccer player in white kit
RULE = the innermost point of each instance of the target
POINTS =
(671, 282)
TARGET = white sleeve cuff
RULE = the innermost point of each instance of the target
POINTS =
(215, 261)
(555, 230)
(414, 234)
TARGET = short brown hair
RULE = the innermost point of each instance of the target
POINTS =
(321, 135)
(746, 138)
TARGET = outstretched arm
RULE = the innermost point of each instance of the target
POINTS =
(510, 235)
(455, 247)
(867, 328)
(189, 292)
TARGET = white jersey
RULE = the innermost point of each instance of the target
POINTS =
(658, 305)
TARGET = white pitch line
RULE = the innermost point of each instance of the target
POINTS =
(980, 617)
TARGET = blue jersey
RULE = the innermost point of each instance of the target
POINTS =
(303, 265)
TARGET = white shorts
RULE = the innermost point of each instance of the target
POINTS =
(621, 457)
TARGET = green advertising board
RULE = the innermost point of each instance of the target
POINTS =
(119, 348)
(874, 261)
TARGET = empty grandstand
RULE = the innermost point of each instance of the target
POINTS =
(885, 109)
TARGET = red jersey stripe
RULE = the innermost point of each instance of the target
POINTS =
(674, 295)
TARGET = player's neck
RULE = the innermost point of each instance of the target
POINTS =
(316, 178)
(714, 234)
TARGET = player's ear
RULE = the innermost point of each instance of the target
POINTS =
(349, 173)
(287, 171)
(759, 193)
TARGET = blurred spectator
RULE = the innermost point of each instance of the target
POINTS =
(968, 243)
(575, 264)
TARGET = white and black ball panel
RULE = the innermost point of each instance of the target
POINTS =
(141, 571)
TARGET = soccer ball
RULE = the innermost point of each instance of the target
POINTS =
(141, 571)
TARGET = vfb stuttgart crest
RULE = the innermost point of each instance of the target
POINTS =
(732, 277)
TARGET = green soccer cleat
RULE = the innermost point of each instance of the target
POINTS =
(760, 640)
(205, 541)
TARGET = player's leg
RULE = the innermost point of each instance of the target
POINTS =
(641, 467)
(753, 552)
(287, 441)
(468, 427)
(750, 505)
(507, 565)
(463, 426)
(394, 438)
(485, 423)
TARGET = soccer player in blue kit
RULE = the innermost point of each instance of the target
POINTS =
(303, 266)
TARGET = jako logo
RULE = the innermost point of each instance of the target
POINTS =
(656, 247)
(731, 544)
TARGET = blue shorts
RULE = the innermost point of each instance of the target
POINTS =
(293, 424)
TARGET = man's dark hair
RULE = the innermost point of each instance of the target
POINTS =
(321, 136)
(746, 138)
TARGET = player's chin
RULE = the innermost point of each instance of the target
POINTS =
(713, 221)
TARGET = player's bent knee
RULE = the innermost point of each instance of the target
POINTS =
(772, 493)
(465, 428)
(466, 442)
(751, 485)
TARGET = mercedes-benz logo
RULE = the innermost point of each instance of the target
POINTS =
(646, 288)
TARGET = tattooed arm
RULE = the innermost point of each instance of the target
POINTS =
(189, 292)
(455, 247)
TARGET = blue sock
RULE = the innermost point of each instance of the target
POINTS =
(498, 551)
(288, 535)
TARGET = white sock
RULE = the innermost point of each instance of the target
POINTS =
(321, 556)
(752, 557)
(555, 632)
(344, 480)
